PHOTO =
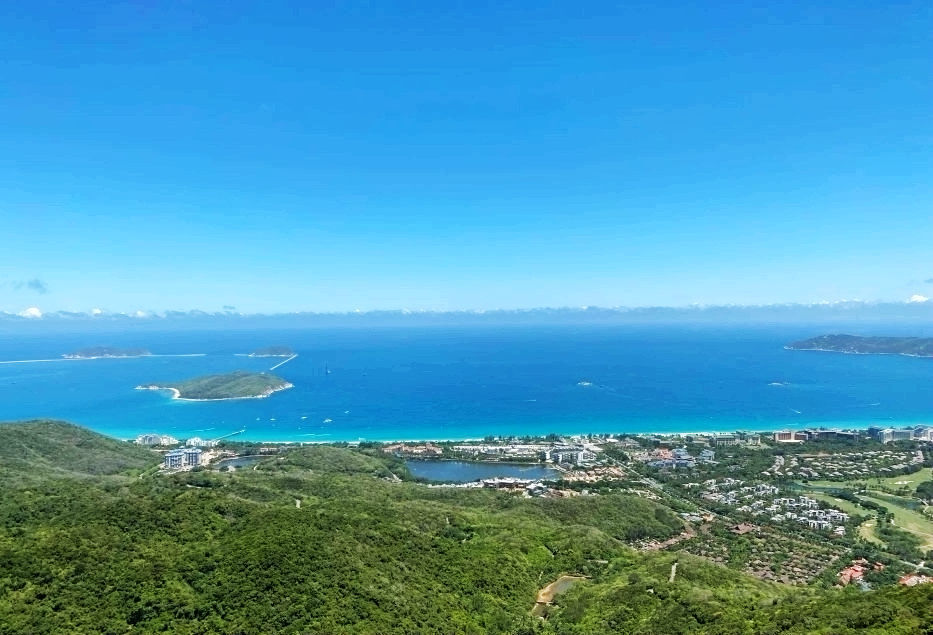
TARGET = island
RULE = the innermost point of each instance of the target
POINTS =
(854, 344)
(273, 351)
(97, 352)
(239, 384)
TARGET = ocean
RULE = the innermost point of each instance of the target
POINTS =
(461, 383)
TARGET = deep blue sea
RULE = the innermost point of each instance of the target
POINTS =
(446, 383)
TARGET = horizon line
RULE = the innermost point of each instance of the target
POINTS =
(35, 313)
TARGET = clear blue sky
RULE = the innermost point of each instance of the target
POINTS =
(294, 156)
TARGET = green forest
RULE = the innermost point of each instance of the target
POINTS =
(324, 539)
(236, 385)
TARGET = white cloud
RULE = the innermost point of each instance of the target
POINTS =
(918, 298)
(31, 312)
(96, 311)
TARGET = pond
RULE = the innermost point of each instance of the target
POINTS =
(467, 471)
(240, 462)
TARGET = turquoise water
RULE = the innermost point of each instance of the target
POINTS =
(467, 471)
(438, 383)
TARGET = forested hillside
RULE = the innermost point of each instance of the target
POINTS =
(44, 448)
(328, 540)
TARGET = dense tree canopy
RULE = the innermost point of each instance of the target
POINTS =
(104, 548)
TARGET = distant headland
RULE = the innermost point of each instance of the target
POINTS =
(273, 351)
(236, 385)
(96, 352)
(911, 346)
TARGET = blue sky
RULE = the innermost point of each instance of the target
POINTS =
(294, 156)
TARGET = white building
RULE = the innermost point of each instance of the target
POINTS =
(182, 457)
(156, 439)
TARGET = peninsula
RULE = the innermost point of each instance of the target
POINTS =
(239, 384)
(912, 346)
(96, 352)
(273, 351)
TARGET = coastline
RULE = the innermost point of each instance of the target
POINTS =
(176, 394)
(832, 350)
(473, 438)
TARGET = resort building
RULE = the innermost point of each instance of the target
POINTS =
(571, 455)
(182, 457)
(890, 434)
(790, 436)
(192, 456)
(174, 459)
(725, 439)
(156, 439)
(198, 442)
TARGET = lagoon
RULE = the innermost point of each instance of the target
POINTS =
(240, 462)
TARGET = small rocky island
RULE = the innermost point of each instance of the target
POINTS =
(273, 351)
(239, 384)
(854, 344)
(96, 352)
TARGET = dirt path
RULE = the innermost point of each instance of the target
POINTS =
(547, 594)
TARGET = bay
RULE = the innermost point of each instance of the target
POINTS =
(462, 383)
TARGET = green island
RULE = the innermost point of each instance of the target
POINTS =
(912, 346)
(273, 351)
(239, 384)
(341, 539)
(106, 351)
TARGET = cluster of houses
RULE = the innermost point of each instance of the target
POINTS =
(526, 487)
(665, 458)
(846, 465)
(596, 474)
(408, 449)
(913, 579)
(761, 500)
(857, 570)
(710, 440)
(806, 511)
(566, 454)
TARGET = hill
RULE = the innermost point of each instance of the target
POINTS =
(913, 346)
(239, 384)
(56, 448)
(365, 552)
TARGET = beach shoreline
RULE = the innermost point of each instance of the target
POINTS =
(176, 394)
(669, 435)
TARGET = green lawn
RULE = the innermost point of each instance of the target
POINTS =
(890, 482)
(914, 522)
(867, 531)
(847, 506)
(908, 520)
(894, 482)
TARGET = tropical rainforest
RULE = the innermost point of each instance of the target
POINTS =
(325, 539)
